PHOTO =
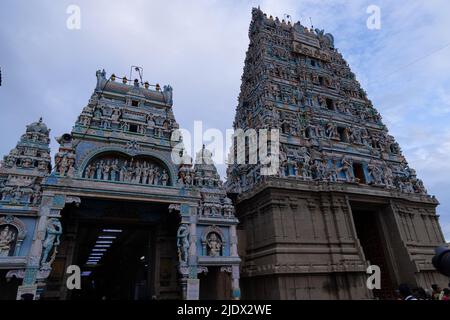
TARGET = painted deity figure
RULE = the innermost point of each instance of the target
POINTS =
(353, 135)
(98, 113)
(346, 167)
(183, 243)
(151, 175)
(89, 172)
(321, 100)
(419, 187)
(188, 179)
(7, 237)
(375, 173)
(70, 167)
(331, 130)
(144, 173)
(17, 195)
(9, 162)
(26, 163)
(122, 171)
(99, 169)
(36, 195)
(306, 169)
(63, 166)
(164, 177)
(316, 131)
(115, 170)
(214, 245)
(115, 116)
(7, 191)
(388, 177)
(106, 170)
(333, 173)
(295, 168)
(150, 122)
(138, 171)
(54, 231)
(157, 179)
(42, 166)
(321, 169)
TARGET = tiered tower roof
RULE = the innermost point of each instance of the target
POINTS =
(23, 169)
(32, 153)
(295, 80)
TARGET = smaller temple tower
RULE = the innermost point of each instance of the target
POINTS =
(212, 229)
(21, 174)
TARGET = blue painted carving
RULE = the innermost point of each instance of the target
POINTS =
(156, 155)
(183, 243)
(52, 240)
(59, 201)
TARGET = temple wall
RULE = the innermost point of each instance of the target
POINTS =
(329, 286)
(303, 245)
(420, 234)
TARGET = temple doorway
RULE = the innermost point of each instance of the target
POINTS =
(215, 284)
(117, 262)
(8, 286)
(374, 243)
(126, 251)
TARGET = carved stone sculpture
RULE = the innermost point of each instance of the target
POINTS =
(117, 169)
(183, 243)
(53, 233)
(214, 245)
(7, 238)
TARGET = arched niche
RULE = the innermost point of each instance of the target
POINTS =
(12, 233)
(116, 166)
(213, 236)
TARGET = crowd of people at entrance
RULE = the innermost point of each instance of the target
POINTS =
(434, 293)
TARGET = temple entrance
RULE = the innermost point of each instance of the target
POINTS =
(374, 244)
(8, 286)
(126, 251)
(117, 263)
(215, 284)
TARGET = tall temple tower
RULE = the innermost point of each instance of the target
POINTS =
(344, 197)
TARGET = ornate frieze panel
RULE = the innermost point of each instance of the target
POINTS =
(20, 190)
(119, 168)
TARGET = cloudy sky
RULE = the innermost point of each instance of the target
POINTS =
(199, 47)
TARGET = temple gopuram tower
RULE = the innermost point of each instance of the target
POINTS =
(344, 197)
(123, 204)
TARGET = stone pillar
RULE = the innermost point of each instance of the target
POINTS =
(31, 271)
(189, 283)
(35, 271)
(192, 242)
(233, 242)
(17, 249)
(235, 289)
(33, 261)
(183, 285)
(193, 284)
